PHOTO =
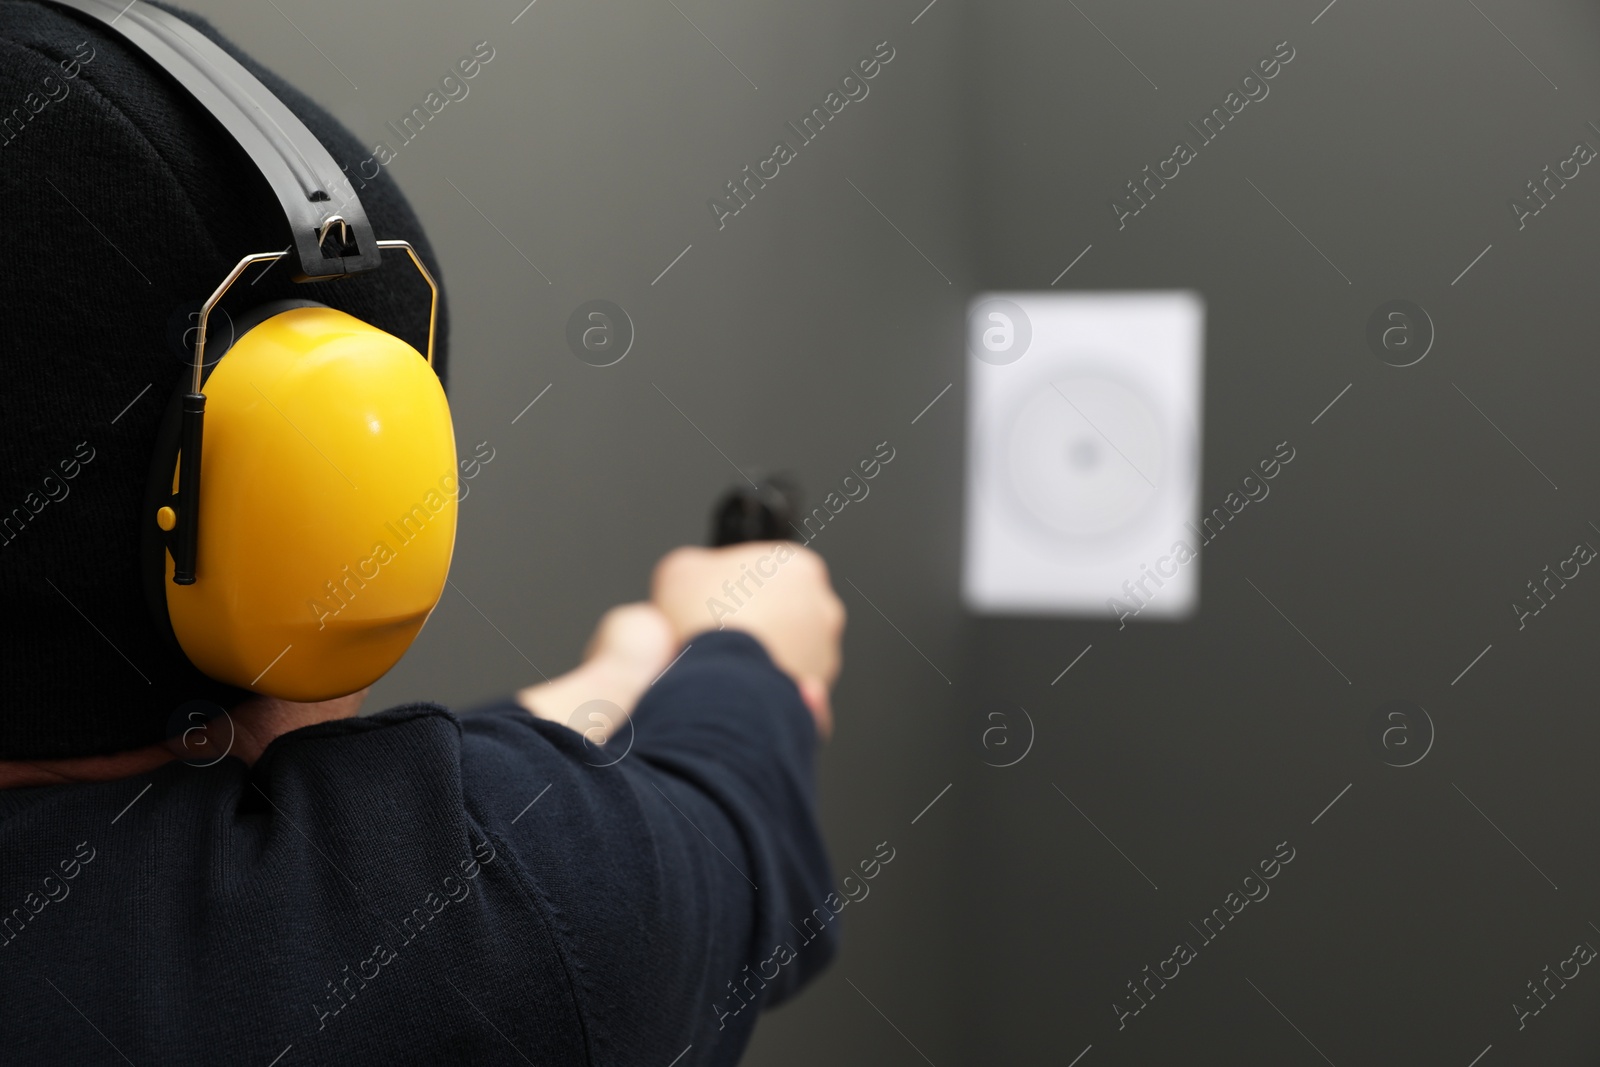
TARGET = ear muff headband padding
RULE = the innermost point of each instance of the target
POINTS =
(294, 163)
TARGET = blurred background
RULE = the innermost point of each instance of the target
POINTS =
(1069, 800)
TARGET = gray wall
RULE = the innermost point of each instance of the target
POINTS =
(1396, 541)
(809, 329)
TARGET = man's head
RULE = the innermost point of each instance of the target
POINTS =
(126, 204)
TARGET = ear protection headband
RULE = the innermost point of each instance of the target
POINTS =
(324, 533)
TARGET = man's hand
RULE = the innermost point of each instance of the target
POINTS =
(631, 646)
(778, 592)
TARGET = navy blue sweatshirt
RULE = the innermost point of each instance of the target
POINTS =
(418, 887)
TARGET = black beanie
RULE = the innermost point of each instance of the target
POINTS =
(124, 204)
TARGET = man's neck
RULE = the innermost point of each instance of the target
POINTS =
(244, 733)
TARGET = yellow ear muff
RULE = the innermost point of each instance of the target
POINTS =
(328, 508)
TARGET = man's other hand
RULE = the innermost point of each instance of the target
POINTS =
(632, 645)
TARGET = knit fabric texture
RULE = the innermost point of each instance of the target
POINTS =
(416, 887)
(125, 205)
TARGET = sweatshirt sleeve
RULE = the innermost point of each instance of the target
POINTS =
(680, 866)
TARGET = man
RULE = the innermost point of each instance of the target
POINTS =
(288, 883)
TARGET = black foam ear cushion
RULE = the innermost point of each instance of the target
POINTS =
(154, 541)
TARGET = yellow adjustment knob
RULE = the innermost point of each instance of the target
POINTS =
(166, 518)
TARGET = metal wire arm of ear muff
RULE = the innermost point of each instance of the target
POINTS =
(192, 428)
(270, 257)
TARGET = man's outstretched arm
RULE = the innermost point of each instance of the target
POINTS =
(680, 863)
